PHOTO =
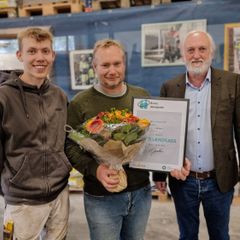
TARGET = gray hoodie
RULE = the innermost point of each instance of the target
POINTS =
(34, 168)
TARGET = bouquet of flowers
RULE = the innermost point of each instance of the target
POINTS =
(114, 138)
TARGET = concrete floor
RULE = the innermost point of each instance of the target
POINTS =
(162, 223)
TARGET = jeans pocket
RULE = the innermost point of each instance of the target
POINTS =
(88, 195)
(147, 188)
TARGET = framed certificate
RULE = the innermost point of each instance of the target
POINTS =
(164, 147)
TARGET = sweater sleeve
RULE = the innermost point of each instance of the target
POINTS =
(80, 159)
(1, 142)
(159, 176)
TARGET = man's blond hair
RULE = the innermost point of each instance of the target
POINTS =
(106, 43)
(38, 34)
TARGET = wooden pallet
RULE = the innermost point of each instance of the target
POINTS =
(8, 12)
(111, 4)
(26, 3)
(163, 197)
(51, 8)
(236, 200)
(134, 3)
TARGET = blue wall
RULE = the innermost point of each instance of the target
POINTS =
(125, 25)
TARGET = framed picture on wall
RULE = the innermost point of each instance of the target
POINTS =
(232, 47)
(82, 74)
(161, 41)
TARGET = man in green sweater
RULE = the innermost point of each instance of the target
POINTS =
(121, 215)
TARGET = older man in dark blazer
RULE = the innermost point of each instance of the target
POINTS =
(213, 125)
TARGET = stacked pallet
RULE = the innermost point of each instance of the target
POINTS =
(26, 8)
(236, 199)
(162, 197)
(48, 7)
(111, 4)
(8, 8)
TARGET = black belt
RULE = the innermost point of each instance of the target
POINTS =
(203, 175)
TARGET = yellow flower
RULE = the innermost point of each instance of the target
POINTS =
(143, 123)
(119, 115)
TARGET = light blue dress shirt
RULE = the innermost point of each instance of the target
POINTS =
(199, 147)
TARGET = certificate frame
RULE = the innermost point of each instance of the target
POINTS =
(164, 147)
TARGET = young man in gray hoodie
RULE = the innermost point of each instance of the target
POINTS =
(34, 169)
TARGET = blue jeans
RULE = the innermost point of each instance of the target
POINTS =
(187, 197)
(121, 216)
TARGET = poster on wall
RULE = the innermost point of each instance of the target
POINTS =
(232, 47)
(82, 74)
(161, 41)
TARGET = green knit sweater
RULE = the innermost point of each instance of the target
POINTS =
(88, 104)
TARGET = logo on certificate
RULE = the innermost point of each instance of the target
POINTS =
(143, 104)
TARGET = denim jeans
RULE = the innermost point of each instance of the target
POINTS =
(187, 197)
(121, 216)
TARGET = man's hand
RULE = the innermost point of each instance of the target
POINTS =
(161, 186)
(184, 172)
(108, 177)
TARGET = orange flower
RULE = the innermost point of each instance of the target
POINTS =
(114, 116)
(131, 119)
(119, 115)
(95, 125)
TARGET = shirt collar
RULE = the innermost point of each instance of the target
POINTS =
(120, 94)
(207, 79)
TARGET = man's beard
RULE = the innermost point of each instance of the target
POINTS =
(113, 85)
(199, 70)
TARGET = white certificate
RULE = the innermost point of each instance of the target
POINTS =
(164, 148)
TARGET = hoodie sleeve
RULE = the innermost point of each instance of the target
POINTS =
(1, 141)
(1, 148)
(1, 155)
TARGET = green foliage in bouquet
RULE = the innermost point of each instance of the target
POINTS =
(128, 134)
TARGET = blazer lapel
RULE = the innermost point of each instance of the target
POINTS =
(181, 87)
(215, 93)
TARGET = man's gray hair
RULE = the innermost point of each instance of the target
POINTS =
(212, 43)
